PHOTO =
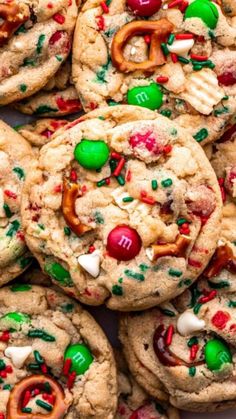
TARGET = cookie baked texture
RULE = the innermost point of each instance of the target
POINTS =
(58, 98)
(123, 208)
(134, 402)
(16, 160)
(55, 360)
(189, 347)
(178, 58)
(40, 132)
(35, 39)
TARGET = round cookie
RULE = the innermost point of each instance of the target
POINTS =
(55, 360)
(177, 58)
(134, 402)
(58, 98)
(35, 39)
(16, 160)
(129, 205)
(189, 347)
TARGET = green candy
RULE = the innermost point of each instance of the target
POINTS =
(80, 356)
(149, 97)
(13, 320)
(204, 10)
(60, 274)
(217, 354)
(91, 155)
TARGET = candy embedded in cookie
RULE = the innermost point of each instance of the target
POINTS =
(171, 56)
(123, 208)
(35, 40)
(50, 364)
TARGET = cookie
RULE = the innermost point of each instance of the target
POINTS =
(190, 348)
(134, 402)
(58, 98)
(16, 160)
(128, 205)
(40, 132)
(35, 40)
(55, 360)
(174, 57)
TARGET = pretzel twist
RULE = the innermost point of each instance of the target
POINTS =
(222, 259)
(13, 16)
(171, 249)
(158, 30)
(14, 406)
(70, 194)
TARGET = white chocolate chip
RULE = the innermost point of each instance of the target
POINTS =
(18, 354)
(181, 47)
(188, 323)
(150, 253)
(91, 263)
(132, 51)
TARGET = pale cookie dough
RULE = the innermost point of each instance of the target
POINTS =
(33, 51)
(134, 402)
(189, 346)
(41, 131)
(58, 98)
(138, 230)
(55, 360)
(193, 79)
(16, 160)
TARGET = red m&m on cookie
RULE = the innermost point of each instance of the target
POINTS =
(123, 243)
(144, 7)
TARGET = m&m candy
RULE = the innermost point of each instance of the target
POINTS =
(204, 10)
(80, 356)
(149, 97)
(144, 7)
(123, 243)
(217, 354)
(91, 155)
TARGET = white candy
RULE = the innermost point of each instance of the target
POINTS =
(181, 47)
(150, 253)
(18, 354)
(188, 323)
(91, 263)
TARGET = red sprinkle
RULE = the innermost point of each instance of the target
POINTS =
(10, 194)
(128, 176)
(9, 369)
(147, 39)
(162, 79)
(100, 23)
(59, 18)
(73, 175)
(174, 57)
(181, 36)
(174, 3)
(5, 336)
(104, 7)
(2, 416)
(220, 319)
(44, 368)
(71, 380)
(183, 6)
(26, 398)
(199, 57)
(67, 366)
(148, 200)
(115, 155)
(119, 167)
(193, 352)
(208, 297)
(91, 249)
(58, 188)
(194, 263)
(169, 335)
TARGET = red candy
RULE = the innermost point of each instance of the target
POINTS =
(227, 79)
(220, 319)
(123, 243)
(144, 7)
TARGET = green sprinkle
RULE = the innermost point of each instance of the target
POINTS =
(23, 88)
(117, 290)
(7, 210)
(166, 112)
(1, 380)
(128, 199)
(67, 231)
(7, 387)
(19, 172)
(192, 341)
(183, 60)
(44, 109)
(21, 29)
(121, 180)
(26, 410)
(197, 308)
(167, 312)
(112, 103)
(159, 408)
(28, 62)
(101, 183)
(164, 49)
(59, 58)
(109, 33)
(154, 184)
(232, 303)
(192, 371)
(171, 39)
(23, 262)
(59, 273)
(67, 307)
(20, 287)
(166, 183)
(143, 267)
(225, 98)
(218, 285)
(175, 272)
(218, 112)
(187, 282)
(98, 218)
(44, 405)
(41, 226)
(40, 43)
(38, 357)
(120, 280)
(41, 334)
(181, 221)
(102, 118)
(197, 67)
(2, 365)
(195, 294)
(47, 387)
(33, 367)
(101, 74)
(112, 164)
(15, 225)
(201, 135)
(131, 274)
(207, 63)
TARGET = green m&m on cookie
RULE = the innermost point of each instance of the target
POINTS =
(91, 155)
(204, 10)
(80, 356)
(59, 273)
(13, 320)
(150, 97)
(217, 354)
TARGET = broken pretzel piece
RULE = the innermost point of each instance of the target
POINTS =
(178, 248)
(13, 15)
(158, 30)
(222, 259)
(70, 194)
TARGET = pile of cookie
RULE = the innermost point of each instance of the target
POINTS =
(131, 205)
